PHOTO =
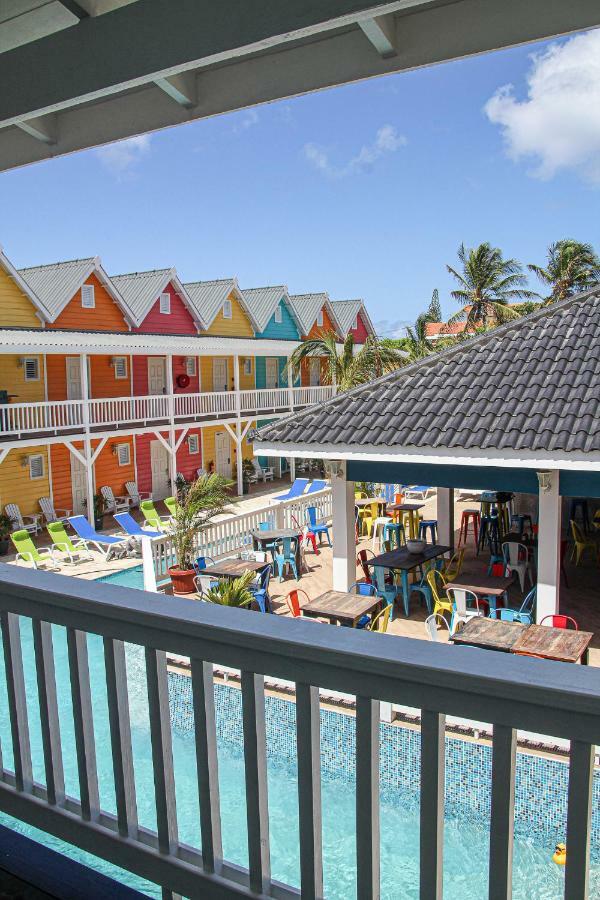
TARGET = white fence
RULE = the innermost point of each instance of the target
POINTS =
(234, 534)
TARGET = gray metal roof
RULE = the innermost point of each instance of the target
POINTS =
(56, 284)
(306, 308)
(530, 385)
(262, 302)
(207, 297)
(140, 290)
(346, 311)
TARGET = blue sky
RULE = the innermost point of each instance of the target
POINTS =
(364, 190)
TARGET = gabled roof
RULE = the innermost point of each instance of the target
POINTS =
(306, 308)
(23, 285)
(346, 311)
(207, 298)
(263, 301)
(140, 291)
(57, 283)
(530, 386)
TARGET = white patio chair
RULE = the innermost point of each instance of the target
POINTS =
(265, 474)
(434, 624)
(462, 611)
(50, 513)
(114, 504)
(516, 559)
(378, 525)
(135, 495)
(19, 521)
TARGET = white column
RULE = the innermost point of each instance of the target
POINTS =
(445, 517)
(171, 405)
(87, 443)
(549, 534)
(292, 462)
(290, 385)
(344, 542)
(238, 425)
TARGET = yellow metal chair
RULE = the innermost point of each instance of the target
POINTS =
(441, 601)
(381, 621)
(596, 520)
(367, 516)
(453, 567)
(581, 543)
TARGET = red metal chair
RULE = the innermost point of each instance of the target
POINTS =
(293, 602)
(561, 622)
(309, 535)
(473, 517)
(361, 560)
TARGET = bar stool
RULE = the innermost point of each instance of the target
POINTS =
(489, 531)
(580, 503)
(393, 532)
(430, 524)
(473, 516)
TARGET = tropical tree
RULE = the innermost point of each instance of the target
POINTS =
(347, 367)
(571, 267)
(434, 310)
(197, 505)
(417, 344)
(488, 284)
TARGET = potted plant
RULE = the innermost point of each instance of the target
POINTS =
(99, 507)
(232, 591)
(247, 474)
(5, 530)
(202, 501)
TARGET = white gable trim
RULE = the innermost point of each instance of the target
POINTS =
(8, 267)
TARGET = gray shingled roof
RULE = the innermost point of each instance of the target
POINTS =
(262, 302)
(55, 284)
(530, 385)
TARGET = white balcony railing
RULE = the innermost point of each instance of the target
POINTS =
(66, 415)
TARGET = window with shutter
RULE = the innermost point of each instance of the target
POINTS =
(190, 365)
(36, 466)
(31, 366)
(355, 324)
(120, 367)
(123, 454)
(320, 318)
(279, 314)
(165, 304)
(227, 310)
(88, 300)
(193, 444)
(247, 366)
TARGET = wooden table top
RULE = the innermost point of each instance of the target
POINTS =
(489, 634)
(339, 605)
(404, 507)
(484, 585)
(274, 533)
(561, 644)
(233, 568)
(402, 559)
(365, 501)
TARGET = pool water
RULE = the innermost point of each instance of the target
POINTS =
(132, 578)
(536, 877)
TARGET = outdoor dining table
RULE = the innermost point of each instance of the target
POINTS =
(366, 501)
(412, 510)
(563, 644)
(233, 568)
(260, 540)
(489, 634)
(341, 608)
(490, 587)
(404, 562)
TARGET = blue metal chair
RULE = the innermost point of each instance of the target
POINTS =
(319, 528)
(284, 554)
(387, 592)
(261, 593)
(363, 589)
(430, 524)
(394, 533)
(525, 612)
(201, 563)
(422, 587)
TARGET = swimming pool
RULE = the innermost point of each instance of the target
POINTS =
(467, 806)
(132, 577)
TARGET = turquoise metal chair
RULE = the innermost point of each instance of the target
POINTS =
(284, 554)
(428, 525)
(525, 613)
(422, 587)
(317, 528)
(387, 592)
(394, 533)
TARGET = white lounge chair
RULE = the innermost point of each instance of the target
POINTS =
(136, 496)
(265, 474)
(114, 504)
(19, 521)
(50, 513)
(418, 492)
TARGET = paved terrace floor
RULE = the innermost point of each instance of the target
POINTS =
(581, 599)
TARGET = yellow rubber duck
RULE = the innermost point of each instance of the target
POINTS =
(560, 855)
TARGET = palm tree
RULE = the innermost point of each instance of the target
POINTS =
(488, 283)
(417, 344)
(571, 267)
(345, 367)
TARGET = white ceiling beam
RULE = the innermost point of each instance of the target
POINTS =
(180, 88)
(42, 128)
(381, 31)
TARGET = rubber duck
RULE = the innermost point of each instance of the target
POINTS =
(560, 855)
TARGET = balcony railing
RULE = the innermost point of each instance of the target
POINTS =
(510, 692)
(70, 415)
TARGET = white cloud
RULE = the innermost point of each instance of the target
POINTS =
(388, 328)
(558, 123)
(387, 140)
(245, 121)
(123, 155)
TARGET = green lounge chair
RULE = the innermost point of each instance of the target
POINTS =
(28, 552)
(152, 518)
(171, 504)
(62, 543)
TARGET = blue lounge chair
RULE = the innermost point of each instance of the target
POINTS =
(316, 485)
(130, 526)
(295, 490)
(104, 543)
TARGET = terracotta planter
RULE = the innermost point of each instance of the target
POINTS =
(182, 579)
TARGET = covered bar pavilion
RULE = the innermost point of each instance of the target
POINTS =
(514, 410)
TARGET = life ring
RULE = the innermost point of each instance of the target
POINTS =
(560, 855)
(183, 380)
